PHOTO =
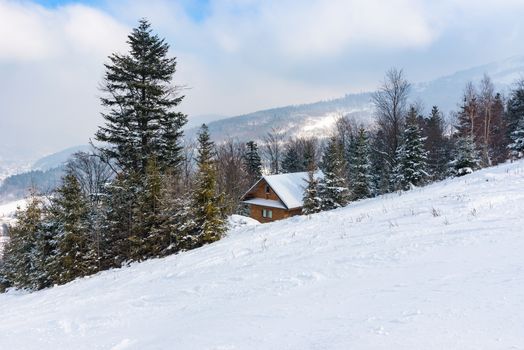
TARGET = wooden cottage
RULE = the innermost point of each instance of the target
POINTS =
(276, 197)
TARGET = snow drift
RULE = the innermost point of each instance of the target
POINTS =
(440, 267)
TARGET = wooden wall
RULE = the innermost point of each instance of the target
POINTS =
(278, 214)
(260, 192)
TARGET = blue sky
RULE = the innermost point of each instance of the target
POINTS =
(197, 9)
(235, 56)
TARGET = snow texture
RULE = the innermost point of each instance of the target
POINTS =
(439, 267)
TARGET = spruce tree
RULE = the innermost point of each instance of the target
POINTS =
(208, 219)
(436, 145)
(411, 164)
(140, 120)
(75, 254)
(291, 162)
(18, 265)
(252, 162)
(119, 211)
(465, 157)
(380, 165)
(516, 147)
(361, 167)
(149, 239)
(515, 108)
(311, 198)
(333, 189)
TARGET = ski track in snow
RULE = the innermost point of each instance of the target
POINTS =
(439, 267)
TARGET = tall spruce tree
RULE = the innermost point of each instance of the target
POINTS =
(252, 161)
(411, 164)
(333, 189)
(361, 167)
(208, 219)
(140, 121)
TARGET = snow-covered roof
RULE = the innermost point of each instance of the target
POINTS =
(266, 203)
(288, 187)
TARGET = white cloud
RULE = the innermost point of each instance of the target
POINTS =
(32, 33)
(51, 63)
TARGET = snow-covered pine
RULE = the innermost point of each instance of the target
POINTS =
(291, 160)
(312, 201)
(18, 268)
(515, 107)
(380, 164)
(436, 145)
(140, 101)
(466, 158)
(360, 167)
(333, 189)
(118, 217)
(210, 224)
(75, 254)
(252, 161)
(411, 158)
(516, 147)
(149, 239)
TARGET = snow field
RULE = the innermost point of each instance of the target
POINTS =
(440, 267)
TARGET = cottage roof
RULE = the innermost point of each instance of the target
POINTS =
(288, 187)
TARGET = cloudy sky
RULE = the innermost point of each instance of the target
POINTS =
(235, 56)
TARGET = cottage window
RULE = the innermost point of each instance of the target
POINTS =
(268, 189)
(266, 213)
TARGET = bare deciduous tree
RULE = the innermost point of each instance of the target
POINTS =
(273, 147)
(232, 178)
(390, 102)
(91, 172)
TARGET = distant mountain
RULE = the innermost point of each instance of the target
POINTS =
(306, 119)
(446, 92)
(59, 158)
(317, 118)
(195, 121)
(44, 176)
(18, 186)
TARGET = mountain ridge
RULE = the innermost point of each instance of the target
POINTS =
(299, 120)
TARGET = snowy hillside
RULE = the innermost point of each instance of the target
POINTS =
(436, 268)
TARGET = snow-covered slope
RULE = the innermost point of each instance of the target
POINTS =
(440, 267)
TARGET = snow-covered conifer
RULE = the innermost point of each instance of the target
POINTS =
(333, 189)
(360, 166)
(252, 162)
(465, 157)
(411, 158)
(209, 221)
(516, 147)
(312, 201)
